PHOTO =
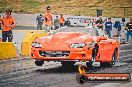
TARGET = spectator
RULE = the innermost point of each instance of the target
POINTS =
(67, 22)
(39, 21)
(117, 25)
(129, 30)
(48, 19)
(56, 23)
(61, 21)
(123, 30)
(8, 23)
(123, 21)
(99, 23)
(0, 21)
(94, 22)
(108, 27)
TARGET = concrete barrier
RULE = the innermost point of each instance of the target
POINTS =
(28, 39)
(7, 50)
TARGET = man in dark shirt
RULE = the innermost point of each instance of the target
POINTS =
(117, 25)
(99, 23)
(67, 22)
(56, 23)
(39, 21)
(129, 30)
(108, 27)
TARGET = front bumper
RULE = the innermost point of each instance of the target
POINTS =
(78, 54)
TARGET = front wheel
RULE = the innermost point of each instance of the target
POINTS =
(94, 54)
(39, 62)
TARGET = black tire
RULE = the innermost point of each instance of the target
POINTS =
(39, 62)
(67, 64)
(104, 64)
(112, 63)
(114, 57)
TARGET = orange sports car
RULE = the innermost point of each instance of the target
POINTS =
(70, 45)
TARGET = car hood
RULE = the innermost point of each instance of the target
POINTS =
(61, 41)
(80, 39)
(58, 37)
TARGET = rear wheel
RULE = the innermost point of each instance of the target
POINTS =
(114, 57)
(39, 62)
(68, 64)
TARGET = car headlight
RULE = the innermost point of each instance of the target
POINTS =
(36, 45)
(77, 45)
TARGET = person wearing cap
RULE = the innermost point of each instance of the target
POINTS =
(61, 20)
(48, 19)
(129, 30)
(108, 27)
(7, 24)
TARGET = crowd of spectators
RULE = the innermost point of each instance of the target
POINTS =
(7, 23)
(107, 25)
(50, 23)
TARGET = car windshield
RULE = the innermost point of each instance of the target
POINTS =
(84, 30)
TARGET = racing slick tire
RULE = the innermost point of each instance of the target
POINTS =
(68, 64)
(39, 62)
(112, 63)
